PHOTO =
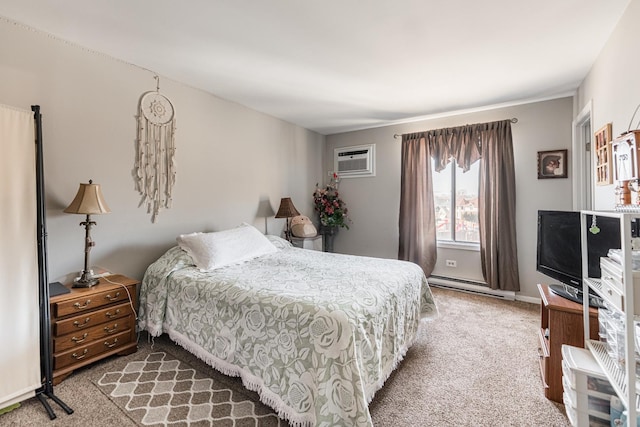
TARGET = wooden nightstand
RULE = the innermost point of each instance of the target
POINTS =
(314, 242)
(89, 324)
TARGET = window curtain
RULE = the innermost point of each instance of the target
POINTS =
(467, 144)
(497, 208)
(417, 222)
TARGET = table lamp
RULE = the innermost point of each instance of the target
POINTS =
(287, 210)
(265, 210)
(88, 201)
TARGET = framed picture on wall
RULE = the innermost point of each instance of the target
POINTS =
(552, 164)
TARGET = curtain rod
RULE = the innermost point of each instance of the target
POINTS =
(396, 135)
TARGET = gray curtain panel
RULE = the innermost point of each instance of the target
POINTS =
(490, 142)
(417, 223)
(497, 208)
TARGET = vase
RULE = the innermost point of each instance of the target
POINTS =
(328, 233)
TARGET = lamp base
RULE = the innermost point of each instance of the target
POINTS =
(85, 281)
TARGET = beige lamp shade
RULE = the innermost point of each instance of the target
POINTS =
(88, 201)
(286, 209)
(265, 209)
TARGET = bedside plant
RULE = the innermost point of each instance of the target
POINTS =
(331, 209)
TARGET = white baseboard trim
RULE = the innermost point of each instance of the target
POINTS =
(532, 300)
(470, 286)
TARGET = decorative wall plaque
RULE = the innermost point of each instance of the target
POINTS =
(625, 164)
(602, 141)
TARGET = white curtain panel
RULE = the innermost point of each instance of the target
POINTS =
(19, 307)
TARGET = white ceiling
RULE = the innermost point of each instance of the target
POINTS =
(340, 65)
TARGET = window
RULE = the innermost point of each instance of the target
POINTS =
(457, 192)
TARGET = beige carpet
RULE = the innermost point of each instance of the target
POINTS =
(476, 365)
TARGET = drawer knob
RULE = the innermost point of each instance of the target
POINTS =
(79, 306)
(113, 344)
(112, 298)
(83, 324)
(80, 356)
(82, 338)
(112, 330)
(110, 314)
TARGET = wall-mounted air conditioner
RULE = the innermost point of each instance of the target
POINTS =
(356, 161)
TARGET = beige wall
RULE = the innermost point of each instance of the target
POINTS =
(373, 202)
(613, 87)
(228, 156)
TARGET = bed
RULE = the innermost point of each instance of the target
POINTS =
(315, 334)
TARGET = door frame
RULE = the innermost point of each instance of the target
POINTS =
(583, 183)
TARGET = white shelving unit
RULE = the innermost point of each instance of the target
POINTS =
(620, 292)
(587, 391)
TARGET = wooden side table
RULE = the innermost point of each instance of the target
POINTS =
(561, 322)
(89, 324)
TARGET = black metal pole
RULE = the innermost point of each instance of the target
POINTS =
(46, 362)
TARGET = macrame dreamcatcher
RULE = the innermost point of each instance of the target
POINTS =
(155, 169)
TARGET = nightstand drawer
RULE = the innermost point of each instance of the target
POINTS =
(87, 320)
(90, 351)
(89, 302)
(85, 336)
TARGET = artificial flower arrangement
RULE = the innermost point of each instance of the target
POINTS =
(330, 207)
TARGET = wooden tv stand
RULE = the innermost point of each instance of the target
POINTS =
(561, 322)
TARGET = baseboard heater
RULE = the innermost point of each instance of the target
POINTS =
(471, 286)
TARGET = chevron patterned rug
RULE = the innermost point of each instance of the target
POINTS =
(159, 390)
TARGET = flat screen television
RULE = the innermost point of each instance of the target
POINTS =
(559, 250)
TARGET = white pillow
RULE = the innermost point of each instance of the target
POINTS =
(214, 250)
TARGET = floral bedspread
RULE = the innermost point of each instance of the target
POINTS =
(315, 334)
